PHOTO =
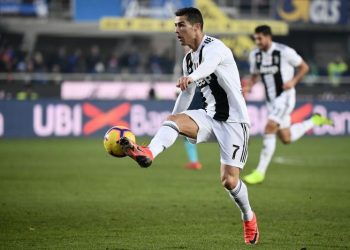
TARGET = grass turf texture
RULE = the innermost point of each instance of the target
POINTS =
(69, 194)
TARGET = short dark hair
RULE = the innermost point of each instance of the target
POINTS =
(193, 15)
(264, 29)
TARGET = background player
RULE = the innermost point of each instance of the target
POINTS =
(275, 64)
(211, 67)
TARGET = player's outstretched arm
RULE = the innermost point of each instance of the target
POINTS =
(184, 99)
(302, 69)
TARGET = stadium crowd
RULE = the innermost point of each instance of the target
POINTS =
(76, 60)
(115, 56)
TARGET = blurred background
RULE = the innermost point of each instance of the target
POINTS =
(75, 59)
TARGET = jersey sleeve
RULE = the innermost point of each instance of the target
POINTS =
(184, 99)
(252, 63)
(212, 57)
(292, 57)
(184, 66)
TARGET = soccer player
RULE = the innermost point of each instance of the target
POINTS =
(210, 66)
(275, 63)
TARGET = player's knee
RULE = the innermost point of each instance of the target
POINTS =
(171, 118)
(271, 127)
(285, 141)
(229, 182)
(285, 138)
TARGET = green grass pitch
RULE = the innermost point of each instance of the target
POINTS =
(69, 194)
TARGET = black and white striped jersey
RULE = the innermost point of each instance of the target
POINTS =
(275, 66)
(214, 71)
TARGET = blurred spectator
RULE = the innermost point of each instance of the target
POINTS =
(94, 62)
(155, 64)
(313, 74)
(113, 63)
(7, 59)
(60, 61)
(28, 93)
(335, 70)
(76, 62)
(131, 61)
(167, 62)
(39, 67)
(21, 62)
(39, 63)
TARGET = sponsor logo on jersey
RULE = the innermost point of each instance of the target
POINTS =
(273, 69)
(201, 83)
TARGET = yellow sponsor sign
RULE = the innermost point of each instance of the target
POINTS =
(215, 22)
(214, 27)
(301, 11)
(136, 24)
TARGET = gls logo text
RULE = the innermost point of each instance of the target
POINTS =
(314, 11)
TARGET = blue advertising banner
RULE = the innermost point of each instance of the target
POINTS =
(94, 10)
(312, 11)
(24, 7)
(94, 118)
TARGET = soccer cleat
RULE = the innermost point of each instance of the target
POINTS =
(251, 231)
(142, 155)
(320, 120)
(255, 177)
(193, 165)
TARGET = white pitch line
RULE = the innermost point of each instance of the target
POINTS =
(311, 160)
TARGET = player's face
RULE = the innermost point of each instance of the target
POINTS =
(184, 30)
(262, 41)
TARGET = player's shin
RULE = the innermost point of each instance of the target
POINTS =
(267, 152)
(299, 129)
(240, 196)
(191, 151)
(164, 138)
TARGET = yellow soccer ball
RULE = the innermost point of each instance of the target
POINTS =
(112, 137)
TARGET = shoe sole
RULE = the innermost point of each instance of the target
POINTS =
(126, 145)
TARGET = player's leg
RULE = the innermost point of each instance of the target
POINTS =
(233, 141)
(169, 131)
(279, 115)
(193, 124)
(192, 154)
(269, 146)
(297, 130)
(238, 192)
(164, 138)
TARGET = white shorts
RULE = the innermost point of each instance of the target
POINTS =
(232, 137)
(280, 109)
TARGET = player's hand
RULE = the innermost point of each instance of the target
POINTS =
(183, 82)
(288, 85)
(246, 89)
